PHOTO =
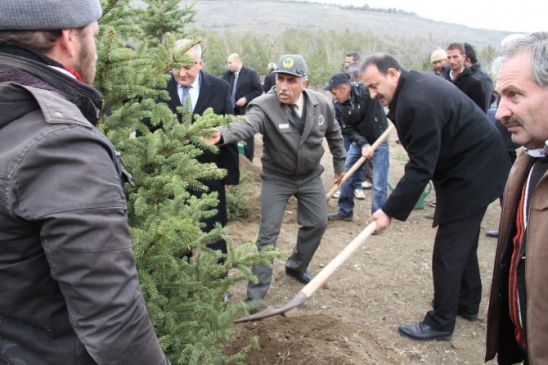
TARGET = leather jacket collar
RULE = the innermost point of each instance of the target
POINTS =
(86, 98)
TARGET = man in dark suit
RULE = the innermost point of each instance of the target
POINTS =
(200, 92)
(450, 141)
(245, 85)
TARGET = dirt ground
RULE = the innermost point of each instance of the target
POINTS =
(353, 318)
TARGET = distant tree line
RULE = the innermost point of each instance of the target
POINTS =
(377, 10)
(365, 7)
(324, 51)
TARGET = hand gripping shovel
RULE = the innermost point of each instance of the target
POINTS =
(360, 162)
(320, 278)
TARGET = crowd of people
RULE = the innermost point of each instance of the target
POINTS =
(54, 252)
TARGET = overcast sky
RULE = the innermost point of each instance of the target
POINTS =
(515, 16)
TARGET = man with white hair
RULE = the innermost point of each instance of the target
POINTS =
(511, 146)
(517, 325)
(509, 39)
(69, 289)
(191, 87)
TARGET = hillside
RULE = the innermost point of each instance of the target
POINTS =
(271, 17)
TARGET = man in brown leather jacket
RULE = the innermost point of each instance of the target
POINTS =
(517, 325)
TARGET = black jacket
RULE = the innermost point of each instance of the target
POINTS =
(215, 94)
(249, 86)
(450, 141)
(269, 82)
(469, 85)
(486, 82)
(363, 118)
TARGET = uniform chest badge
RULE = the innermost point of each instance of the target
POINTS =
(321, 120)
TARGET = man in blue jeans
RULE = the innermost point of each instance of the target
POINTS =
(364, 121)
(359, 181)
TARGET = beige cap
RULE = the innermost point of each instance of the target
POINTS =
(438, 55)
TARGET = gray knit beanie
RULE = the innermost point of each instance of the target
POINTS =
(48, 14)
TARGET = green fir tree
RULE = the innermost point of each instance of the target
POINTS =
(165, 16)
(184, 296)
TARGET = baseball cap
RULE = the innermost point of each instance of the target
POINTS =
(292, 64)
(337, 79)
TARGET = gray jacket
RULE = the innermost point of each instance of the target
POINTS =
(69, 290)
(285, 150)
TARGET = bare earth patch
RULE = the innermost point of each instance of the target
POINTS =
(353, 318)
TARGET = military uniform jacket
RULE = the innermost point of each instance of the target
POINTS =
(285, 150)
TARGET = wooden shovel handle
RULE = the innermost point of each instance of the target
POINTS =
(360, 162)
(334, 264)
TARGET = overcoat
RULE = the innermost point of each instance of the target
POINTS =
(450, 141)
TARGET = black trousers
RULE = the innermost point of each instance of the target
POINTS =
(249, 148)
(221, 216)
(455, 270)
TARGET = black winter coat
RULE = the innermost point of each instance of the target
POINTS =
(215, 94)
(450, 141)
(249, 86)
(363, 118)
(470, 85)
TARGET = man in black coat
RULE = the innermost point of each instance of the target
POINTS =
(451, 142)
(270, 79)
(245, 85)
(475, 67)
(460, 75)
(206, 91)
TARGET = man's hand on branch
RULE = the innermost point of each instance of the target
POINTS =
(214, 137)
